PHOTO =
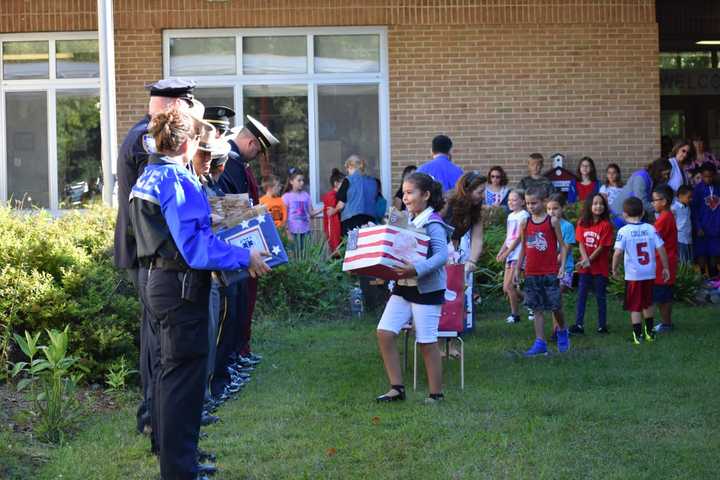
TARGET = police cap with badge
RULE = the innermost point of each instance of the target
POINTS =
(260, 131)
(173, 88)
(218, 117)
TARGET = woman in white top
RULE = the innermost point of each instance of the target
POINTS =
(679, 157)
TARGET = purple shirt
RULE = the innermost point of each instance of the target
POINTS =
(298, 210)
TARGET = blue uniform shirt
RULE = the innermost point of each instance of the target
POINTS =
(443, 170)
(184, 206)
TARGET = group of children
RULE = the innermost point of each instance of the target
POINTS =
(292, 208)
(539, 246)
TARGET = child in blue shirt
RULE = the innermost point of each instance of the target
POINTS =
(555, 208)
(705, 209)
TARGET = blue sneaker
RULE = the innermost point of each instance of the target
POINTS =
(538, 348)
(563, 340)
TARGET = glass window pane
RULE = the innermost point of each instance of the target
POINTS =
(284, 110)
(342, 135)
(27, 149)
(347, 53)
(668, 60)
(217, 97)
(77, 59)
(274, 55)
(25, 60)
(696, 60)
(78, 148)
(202, 56)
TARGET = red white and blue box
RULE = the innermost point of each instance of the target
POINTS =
(256, 233)
(375, 251)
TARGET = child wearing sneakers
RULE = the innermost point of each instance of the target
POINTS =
(511, 248)
(637, 242)
(555, 208)
(662, 198)
(540, 240)
(594, 234)
(683, 222)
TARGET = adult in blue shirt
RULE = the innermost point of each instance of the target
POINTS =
(441, 167)
(170, 216)
(357, 196)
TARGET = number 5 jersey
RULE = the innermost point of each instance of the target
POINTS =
(638, 241)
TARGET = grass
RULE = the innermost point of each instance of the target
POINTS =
(606, 410)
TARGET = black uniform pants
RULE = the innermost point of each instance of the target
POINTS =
(179, 384)
(228, 334)
(149, 353)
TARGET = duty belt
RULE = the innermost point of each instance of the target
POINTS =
(169, 264)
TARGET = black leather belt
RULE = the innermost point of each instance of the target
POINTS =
(169, 264)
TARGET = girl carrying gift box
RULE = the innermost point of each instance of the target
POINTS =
(420, 292)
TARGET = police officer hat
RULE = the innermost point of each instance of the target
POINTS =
(219, 117)
(172, 88)
(265, 138)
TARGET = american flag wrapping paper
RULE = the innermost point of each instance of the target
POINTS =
(257, 233)
(374, 251)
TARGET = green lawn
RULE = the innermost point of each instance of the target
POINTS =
(606, 410)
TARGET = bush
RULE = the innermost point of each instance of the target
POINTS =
(59, 272)
(687, 285)
(311, 285)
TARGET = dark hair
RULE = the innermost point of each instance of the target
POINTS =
(684, 189)
(537, 156)
(558, 197)
(425, 183)
(666, 192)
(336, 176)
(293, 173)
(407, 171)
(465, 214)
(503, 175)
(633, 207)
(681, 143)
(587, 216)
(535, 191)
(171, 129)
(657, 167)
(593, 170)
(708, 167)
(616, 167)
(441, 144)
(379, 188)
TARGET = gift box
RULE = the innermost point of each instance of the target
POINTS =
(257, 233)
(375, 251)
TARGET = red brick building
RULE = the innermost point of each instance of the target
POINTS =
(333, 77)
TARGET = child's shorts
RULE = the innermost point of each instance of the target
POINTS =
(638, 295)
(425, 318)
(706, 246)
(662, 293)
(566, 280)
(542, 293)
(510, 264)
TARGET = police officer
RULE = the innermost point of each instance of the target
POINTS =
(169, 214)
(250, 141)
(132, 158)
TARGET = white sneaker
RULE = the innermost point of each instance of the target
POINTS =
(512, 319)
(531, 315)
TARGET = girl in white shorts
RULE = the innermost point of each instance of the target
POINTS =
(419, 292)
(508, 254)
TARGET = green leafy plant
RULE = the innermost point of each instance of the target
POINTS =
(52, 379)
(687, 284)
(117, 375)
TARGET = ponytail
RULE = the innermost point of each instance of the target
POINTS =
(425, 183)
(170, 130)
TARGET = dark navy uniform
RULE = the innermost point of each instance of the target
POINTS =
(170, 216)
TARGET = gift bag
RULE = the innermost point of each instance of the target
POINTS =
(452, 318)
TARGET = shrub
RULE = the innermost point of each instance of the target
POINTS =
(687, 285)
(311, 285)
(58, 272)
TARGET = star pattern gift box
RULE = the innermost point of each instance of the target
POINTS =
(258, 233)
(375, 251)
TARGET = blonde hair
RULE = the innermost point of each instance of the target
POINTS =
(356, 162)
(171, 129)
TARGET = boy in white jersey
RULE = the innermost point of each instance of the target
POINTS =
(638, 241)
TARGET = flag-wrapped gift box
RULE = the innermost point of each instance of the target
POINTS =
(375, 251)
(258, 233)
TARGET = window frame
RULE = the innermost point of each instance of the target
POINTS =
(310, 78)
(50, 86)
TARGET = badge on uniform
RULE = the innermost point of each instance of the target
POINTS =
(258, 233)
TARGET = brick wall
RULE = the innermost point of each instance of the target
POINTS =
(502, 77)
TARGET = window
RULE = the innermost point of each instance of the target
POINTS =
(322, 92)
(50, 120)
(686, 60)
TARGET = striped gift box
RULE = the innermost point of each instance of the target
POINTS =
(374, 251)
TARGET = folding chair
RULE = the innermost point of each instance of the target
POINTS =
(447, 336)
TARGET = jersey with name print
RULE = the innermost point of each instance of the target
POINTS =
(638, 241)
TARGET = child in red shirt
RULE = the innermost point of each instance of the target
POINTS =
(331, 217)
(594, 234)
(541, 242)
(662, 198)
